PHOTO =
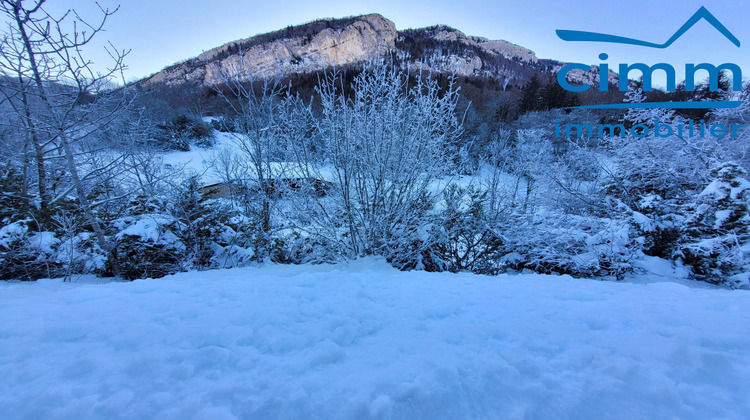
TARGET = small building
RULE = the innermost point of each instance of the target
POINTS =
(276, 187)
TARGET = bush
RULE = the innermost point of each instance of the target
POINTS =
(146, 246)
(177, 133)
(461, 236)
(15, 203)
(223, 125)
(202, 224)
(566, 244)
(80, 253)
(28, 255)
(716, 242)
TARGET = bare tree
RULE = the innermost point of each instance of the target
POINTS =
(58, 95)
(386, 145)
(255, 110)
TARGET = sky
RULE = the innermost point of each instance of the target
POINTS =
(159, 33)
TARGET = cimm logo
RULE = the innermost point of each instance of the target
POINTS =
(647, 71)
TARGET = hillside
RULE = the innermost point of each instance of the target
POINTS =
(351, 41)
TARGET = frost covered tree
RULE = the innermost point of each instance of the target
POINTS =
(653, 177)
(465, 232)
(532, 159)
(256, 108)
(717, 239)
(650, 176)
(59, 102)
(385, 145)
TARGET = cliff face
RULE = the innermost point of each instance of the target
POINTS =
(498, 47)
(301, 49)
(319, 45)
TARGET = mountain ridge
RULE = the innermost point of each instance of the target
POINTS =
(350, 41)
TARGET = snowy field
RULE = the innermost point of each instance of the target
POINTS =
(362, 340)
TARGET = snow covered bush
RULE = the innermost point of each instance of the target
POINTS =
(463, 236)
(649, 179)
(467, 234)
(15, 202)
(80, 253)
(26, 254)
(43, 241)
(220, 233)
(548, 242)
(656, 181)
(201, 224)
(302, 248)
(181, 130)
(385, 143)
(242, 240)
(147, 242)
(147, 246)
(717, 232)
(235, 247)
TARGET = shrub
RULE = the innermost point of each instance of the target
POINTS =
(462, 236)
(717, 236)
(584, 246)
(146, 246)
(177, 133)
(27, 255)
(202, 224)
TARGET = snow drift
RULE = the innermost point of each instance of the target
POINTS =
(364, 340)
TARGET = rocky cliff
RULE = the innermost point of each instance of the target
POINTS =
(342, 42)
(325, 43)
(305, 48)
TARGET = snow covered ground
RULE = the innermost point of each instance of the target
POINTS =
(362, 340)
(206, 161)
(198, 160)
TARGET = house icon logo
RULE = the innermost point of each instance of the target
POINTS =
(701, 14)
(647, 71)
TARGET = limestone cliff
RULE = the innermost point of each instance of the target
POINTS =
(306, 48)
(342, 42)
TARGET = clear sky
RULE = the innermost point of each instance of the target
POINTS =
(162, 32)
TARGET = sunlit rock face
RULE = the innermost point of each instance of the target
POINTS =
(307, 48)
(327, 43)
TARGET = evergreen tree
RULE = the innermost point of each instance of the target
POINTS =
(718, 228)
(554, 96)
(531, 99)
(15, 202)
(202, 223)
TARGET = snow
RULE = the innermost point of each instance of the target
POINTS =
(643, 221)
(204, 161)
(199, 160)
(716, 189)
(362, 340)
(45, 242)
(40, 242)
(12, 232)
(77, 249)
(741, 185)
(148, 228)
(721, 217)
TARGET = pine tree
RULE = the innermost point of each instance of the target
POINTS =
(201, 222)
(717, 245)
(531, 99)
(554, 96)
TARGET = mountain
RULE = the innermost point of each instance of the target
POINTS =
(351, 41)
